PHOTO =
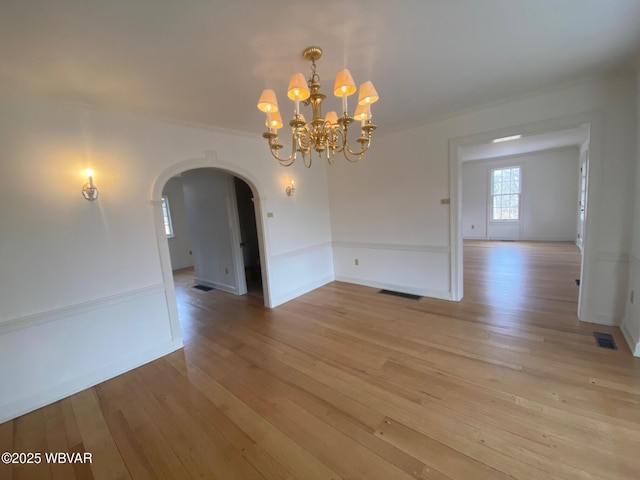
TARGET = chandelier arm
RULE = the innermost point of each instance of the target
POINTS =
(285, 162)
(274, 146)
(341, 140)
(363, 149)
(347, 152)
(345, 149)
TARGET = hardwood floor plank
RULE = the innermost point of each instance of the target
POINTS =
(30, 436)
(344, 383)
(6, 445)
(434, 454)
(57, 441)
(133, 455)
(287, 452)
(96, 437)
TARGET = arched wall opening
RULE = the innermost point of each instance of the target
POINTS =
(209, 161)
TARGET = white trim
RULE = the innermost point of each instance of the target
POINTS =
(613, 257)
(520, 155)
(280, 299)
(210, 160)
(603, 319)
(77, 309)
(34, 401)
(301, 251)
(394, 246)
(498, 103)
(135, 113)
(440, 294)
(237, 260)
(589, 257)
(634, 343)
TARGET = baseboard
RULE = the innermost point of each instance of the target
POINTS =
(601, 319)
(634, 343)
(280, 299)
(37, 400)
(442, 295)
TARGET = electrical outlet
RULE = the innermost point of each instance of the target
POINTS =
(356, 262)
(226, 270)
(444, 201)
(269, 214)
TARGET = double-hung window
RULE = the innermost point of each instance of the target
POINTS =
(168, 227)
(505, 194)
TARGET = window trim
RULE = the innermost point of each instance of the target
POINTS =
(491, 195)
(166, 218)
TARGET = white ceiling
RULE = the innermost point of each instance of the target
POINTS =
(571, 137)
(206, 61)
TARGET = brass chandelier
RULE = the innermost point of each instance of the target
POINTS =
(328, 134)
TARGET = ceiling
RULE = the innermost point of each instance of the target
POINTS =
(207, 61)
(570, 137)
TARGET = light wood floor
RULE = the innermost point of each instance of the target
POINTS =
(345, 383)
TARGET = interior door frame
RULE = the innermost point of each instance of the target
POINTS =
(590, 238)
(210, 160)
(582, 208)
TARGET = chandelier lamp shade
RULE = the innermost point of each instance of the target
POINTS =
(326, 134)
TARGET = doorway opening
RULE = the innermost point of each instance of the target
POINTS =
(574, 137)
(211, 229)
(248, 237)
(225, 206)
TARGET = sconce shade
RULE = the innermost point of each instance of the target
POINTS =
(367, 94)
(274, 121)
(298, 85)
(268, 101)
(344, 85)
(363, 112)
(331, 117)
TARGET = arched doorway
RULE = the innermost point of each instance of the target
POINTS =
(209, 161)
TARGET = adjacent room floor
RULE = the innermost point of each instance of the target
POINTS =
(345, 383)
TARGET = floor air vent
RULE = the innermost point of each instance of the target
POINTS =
(605, 340)
(400, 294)
(204, 288)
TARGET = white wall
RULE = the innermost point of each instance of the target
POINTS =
(210, 203)
(631, 323)
(391, 201)
(179, 243)
(83, 292)
(549, 189)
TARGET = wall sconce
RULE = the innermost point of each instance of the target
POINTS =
(89, 190)
(290, 188)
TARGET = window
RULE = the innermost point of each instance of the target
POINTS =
(168, 228)
(505, 194)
